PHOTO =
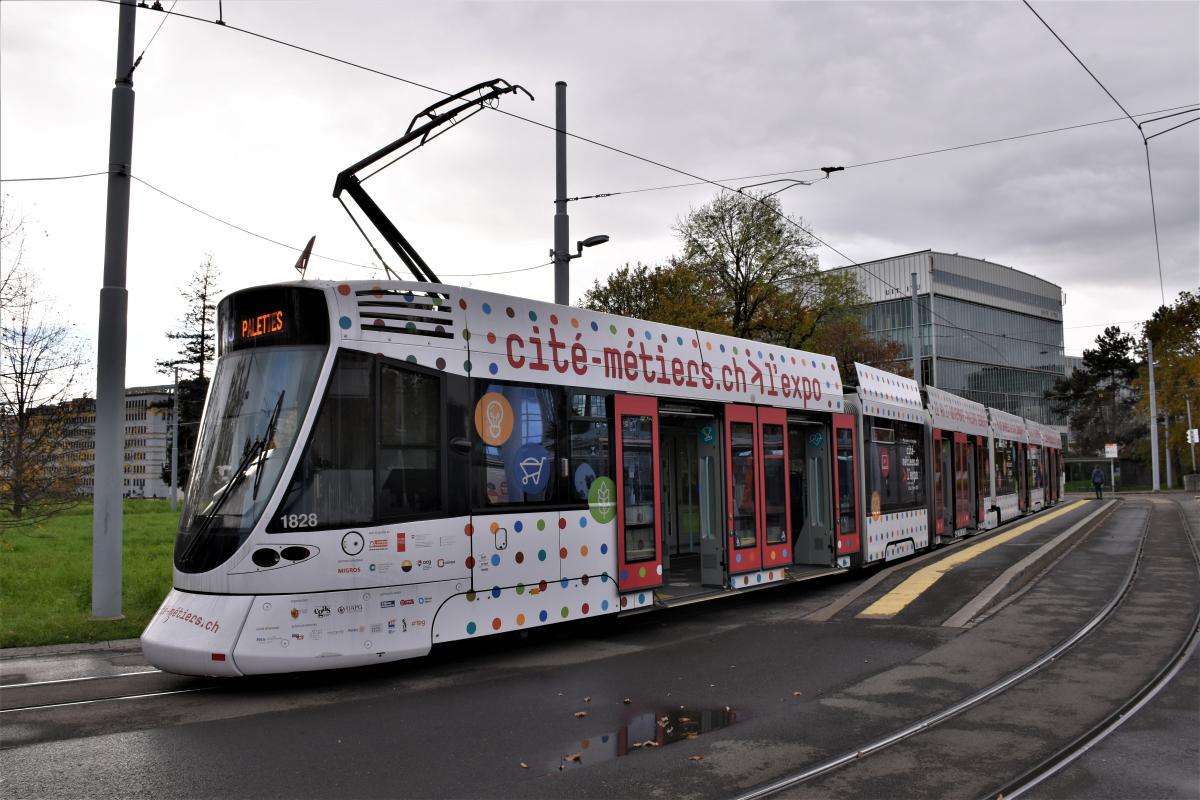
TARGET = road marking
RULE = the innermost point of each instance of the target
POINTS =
(919, 582)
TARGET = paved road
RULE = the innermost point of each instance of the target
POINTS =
(747, 688)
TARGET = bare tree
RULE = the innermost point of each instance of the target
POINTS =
(40, 358)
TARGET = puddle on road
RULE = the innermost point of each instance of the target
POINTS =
(648, 730)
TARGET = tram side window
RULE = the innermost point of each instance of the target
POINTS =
(522, 468)
(409, 477)
(1035, 467)
(589, 455)
(741, 459)
(775, 484)
(895, 466)
(334, 484)
(847, 513)
(1006, 460)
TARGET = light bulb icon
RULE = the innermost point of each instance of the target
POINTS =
(495, 418)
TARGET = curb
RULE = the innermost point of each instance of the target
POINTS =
(41, 651)
(1023, 572)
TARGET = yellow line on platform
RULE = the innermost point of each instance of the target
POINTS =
(897, 599)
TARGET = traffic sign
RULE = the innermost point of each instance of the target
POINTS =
(1110, 450)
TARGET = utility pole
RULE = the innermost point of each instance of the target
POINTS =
(107, 514)
(175, 444)
(562, 223)
(1153, 419)
(1167, 444)
(916, 334)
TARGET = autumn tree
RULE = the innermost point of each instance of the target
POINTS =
(1100, 398)
(843, 334)
(197, 338)
(674, 294)
(1175, 332)
(40, 358)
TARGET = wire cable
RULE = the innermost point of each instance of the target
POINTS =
(55, 177)
(138, 61)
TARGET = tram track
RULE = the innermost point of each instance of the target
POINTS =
(1063, 756)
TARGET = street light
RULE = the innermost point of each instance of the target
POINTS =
(591, 241)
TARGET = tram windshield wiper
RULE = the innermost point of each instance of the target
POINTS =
(257, 449)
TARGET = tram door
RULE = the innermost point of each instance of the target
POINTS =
(939, 480)
(1022, 477)
(757, 484)
(962, 483)
(809, 482)
(971, 507)
(690, 472)
(639, 525)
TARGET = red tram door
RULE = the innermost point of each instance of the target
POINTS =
(962, 483)
(845, 486)
(639, 528)
(939, 484)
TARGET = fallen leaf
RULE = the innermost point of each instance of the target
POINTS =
(587, 699)
(580, 714)
(524, 765)
(626, 701)
(797, 694)
(573, 757)
(695, 758)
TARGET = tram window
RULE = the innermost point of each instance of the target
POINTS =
(589, 454)
(895, 467)
(847, 513)
(775, 484)
(409, 474)
(637, 478)
(741, 459)
(1006, 459)
(1035, 467)
(333, 486)
(522, 468)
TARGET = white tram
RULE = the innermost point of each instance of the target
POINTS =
(383, 466)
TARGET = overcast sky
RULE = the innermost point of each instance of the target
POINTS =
(254, 133)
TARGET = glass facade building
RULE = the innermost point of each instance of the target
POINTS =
(988, 332)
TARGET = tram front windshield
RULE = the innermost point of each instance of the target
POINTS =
(255, 408)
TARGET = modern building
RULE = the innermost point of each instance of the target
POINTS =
(148, 411)
(988, 332)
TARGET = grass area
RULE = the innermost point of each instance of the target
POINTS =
(46, 576)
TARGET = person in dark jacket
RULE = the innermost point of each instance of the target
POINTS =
(1098, 482)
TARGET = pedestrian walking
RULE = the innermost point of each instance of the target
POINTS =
(1098, 482)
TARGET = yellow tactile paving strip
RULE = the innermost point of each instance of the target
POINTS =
(897, 599)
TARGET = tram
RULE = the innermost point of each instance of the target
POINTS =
(384, 466)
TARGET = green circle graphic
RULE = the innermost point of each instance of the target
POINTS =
(602, 499)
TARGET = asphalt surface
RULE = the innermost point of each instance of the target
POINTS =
(746, 690)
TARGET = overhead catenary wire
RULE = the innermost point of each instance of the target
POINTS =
(653, 162)
(579, 137)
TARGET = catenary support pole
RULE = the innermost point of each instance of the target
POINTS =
(916, 334)
(107, 517)
(175, 444)
(1153, 420)
(562, 223)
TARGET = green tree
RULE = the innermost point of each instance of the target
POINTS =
(197, 338)
(760, 263)
(1100, 398)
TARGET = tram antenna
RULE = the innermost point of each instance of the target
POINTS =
(421, 130)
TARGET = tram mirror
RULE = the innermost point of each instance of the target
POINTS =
(461, 444)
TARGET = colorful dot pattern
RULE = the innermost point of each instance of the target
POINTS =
(887, 529)
(480, 325)
(760, 578)
(886, 395)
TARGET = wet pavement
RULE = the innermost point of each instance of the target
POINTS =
(732, 693)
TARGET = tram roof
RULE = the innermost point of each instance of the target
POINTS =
(954, 413)
(490, 335)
